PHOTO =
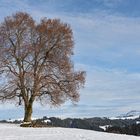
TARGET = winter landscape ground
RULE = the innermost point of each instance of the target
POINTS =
(14, 132)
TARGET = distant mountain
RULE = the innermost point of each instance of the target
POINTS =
(133, 114)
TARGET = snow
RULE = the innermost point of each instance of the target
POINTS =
(47, 121)
(124, 118)
(105, 126)
(14, 132)
(137, 122)
(19, 119)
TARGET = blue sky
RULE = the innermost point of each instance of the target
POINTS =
(107, 47)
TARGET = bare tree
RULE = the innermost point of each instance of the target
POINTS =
(35, 62)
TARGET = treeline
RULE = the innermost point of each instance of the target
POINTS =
(70, 123)
(129, 130)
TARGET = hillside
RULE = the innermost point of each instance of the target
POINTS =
(119, 125)
(14, 132)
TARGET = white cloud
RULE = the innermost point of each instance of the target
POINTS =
(111, 3)
(105, 86)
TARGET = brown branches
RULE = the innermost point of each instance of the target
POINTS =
(35, 59)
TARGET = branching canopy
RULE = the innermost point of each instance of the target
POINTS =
(35, 61)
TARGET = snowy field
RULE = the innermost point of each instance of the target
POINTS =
(14, 132)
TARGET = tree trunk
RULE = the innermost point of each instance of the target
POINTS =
(28, 112)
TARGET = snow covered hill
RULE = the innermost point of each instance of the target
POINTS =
(130, 115)
(14, 132)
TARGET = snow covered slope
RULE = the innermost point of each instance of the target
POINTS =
(14, 132)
